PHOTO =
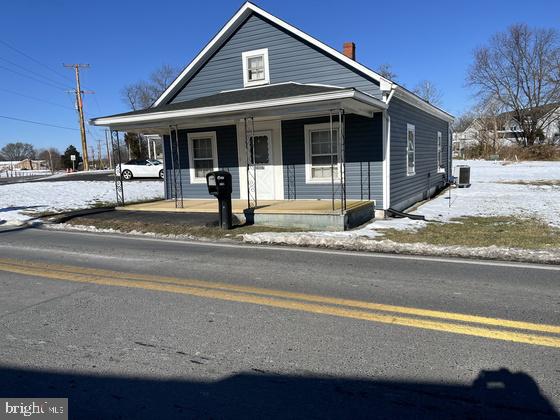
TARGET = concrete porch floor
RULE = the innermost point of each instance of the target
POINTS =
(311, 214)
(239, 206)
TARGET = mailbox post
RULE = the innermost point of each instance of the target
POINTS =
(219, 185)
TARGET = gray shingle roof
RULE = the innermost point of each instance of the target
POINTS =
(284, 90)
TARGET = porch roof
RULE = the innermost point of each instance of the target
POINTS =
(278, 99)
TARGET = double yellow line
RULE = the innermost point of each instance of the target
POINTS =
(457, 323)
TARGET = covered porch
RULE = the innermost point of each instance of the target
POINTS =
(264, 138)
(308, 214)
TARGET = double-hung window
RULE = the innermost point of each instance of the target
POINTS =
(321, 147)
(440, 167)
(255, 68)
(410, 149)
(203, 155)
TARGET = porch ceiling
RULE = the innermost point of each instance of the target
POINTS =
(273, 101)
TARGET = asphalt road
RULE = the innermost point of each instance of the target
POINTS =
(139, 328)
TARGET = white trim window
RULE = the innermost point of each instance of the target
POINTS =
(255, 68)
(203, 155)
(440, 166)
(410, 150)
(320, 152)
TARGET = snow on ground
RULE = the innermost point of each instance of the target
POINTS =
(493, 194)
(16, 199)
(487, 196)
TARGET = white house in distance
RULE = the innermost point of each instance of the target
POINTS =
(508, 130)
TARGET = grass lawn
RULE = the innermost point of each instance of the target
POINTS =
(504, 231)
(537, 182)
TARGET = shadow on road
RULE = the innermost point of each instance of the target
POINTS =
(258, 394)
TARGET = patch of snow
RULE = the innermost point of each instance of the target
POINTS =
(551, 256)
(18, 199)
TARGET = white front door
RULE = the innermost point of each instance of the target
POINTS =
(267, 157)
(261, 156)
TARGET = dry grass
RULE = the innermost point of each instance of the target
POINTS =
(514, 153)
(509, 232)
(536, 182)
(202, 232)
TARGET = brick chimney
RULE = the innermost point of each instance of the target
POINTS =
(349, 50)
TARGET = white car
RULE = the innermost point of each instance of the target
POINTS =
(140, 168)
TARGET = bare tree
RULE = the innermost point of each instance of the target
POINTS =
(17, 151)
(142, 94)
(52, 157)
(386, 70)
(490, 120)
(429, 92)
(462, 122)
(519, 68)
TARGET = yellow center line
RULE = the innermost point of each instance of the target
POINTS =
(294, 305)
(503, 323)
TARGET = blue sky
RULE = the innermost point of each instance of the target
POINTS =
(125, 40)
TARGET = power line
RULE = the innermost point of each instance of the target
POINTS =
(37, 99)
(35, 60)
(38, 123)
(33, 78)
(30, 71)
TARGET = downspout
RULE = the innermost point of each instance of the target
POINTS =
(387, 154)
(449, 153)
(387, 186)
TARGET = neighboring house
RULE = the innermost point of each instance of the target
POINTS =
(508, 130)
(549, 123)
(25, 164)
(292, 118)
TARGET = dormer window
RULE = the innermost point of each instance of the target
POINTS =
(255, 68)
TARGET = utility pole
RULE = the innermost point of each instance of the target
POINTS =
(92, 155)
(99, 153)
(80, 105)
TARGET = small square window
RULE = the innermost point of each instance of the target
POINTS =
(255, 68)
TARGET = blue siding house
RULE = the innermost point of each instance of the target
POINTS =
(293, 119)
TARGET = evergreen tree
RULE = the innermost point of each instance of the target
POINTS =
(67, 161)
